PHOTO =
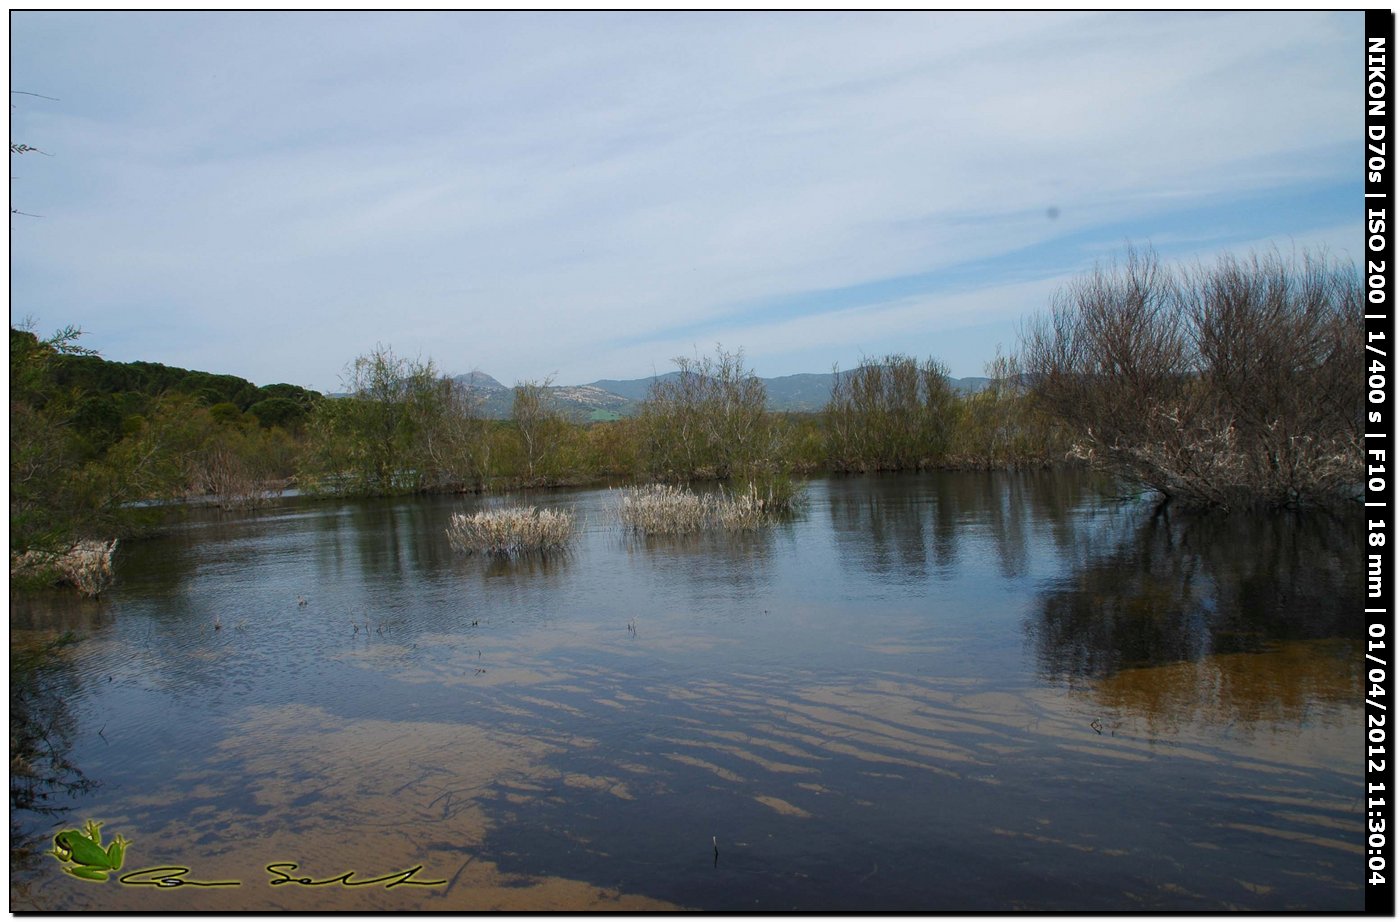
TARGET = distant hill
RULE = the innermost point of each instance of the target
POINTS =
(481, 382)
(971, 385)
(611, 399)
(496, 397)
(805, 393)
(635, 389)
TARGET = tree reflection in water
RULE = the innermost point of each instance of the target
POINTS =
(1207, 617)
(43, 782)
(906, 537)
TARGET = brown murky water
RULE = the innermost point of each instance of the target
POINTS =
(950, 692)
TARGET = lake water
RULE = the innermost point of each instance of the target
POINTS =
(954, 691)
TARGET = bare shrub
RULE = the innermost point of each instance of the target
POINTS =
(233, 480)
(1232, 385)
(511, 532)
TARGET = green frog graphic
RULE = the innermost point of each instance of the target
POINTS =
(90, 860)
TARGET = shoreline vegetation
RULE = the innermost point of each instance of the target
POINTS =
(1227, 387)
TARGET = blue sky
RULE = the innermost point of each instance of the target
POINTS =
(588, 196)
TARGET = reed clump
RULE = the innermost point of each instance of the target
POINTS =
(511, 532)
(86, 566)
(665, 509)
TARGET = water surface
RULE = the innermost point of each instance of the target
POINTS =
(942, 692)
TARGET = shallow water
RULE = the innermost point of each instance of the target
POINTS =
(946, 692)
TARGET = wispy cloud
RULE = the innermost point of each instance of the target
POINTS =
(585, 194)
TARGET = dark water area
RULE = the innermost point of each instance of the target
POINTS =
(953, 691)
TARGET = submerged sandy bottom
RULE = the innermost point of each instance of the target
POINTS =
(297, 784)
(371, 797)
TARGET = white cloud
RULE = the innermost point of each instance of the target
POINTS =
(272, 194)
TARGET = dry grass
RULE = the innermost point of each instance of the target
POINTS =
(662, 509)
(86, 566)
(511, 532)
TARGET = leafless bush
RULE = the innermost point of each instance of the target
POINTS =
(511, 532)
(234, 483)
(1232, 385)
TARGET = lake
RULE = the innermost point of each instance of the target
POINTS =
(950, 691)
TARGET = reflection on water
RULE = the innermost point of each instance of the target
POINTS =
(1247, 693)
(893, 532)
(44, 781)
(1152, 589)
(969, 691)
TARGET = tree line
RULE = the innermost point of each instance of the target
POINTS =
(92, 442)
(405, 428)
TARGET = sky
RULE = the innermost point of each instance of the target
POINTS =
(580, 196)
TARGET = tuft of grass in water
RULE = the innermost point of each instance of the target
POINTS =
(511, 532)
(663, 509)
(776, 495)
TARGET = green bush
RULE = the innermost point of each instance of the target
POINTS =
(708, 421)
(891, 414)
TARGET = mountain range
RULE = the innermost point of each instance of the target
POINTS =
(607, 399)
